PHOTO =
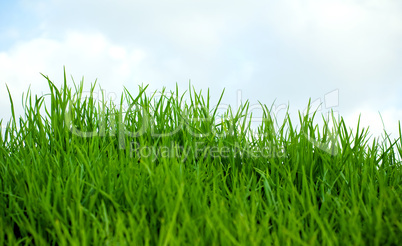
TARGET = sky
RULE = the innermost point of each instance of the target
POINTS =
(346, 55)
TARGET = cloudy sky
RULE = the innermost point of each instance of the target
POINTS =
(345, 54)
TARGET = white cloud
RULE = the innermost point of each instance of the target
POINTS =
(357, 40)
(376, 122)
(283, 50)
(89, 55)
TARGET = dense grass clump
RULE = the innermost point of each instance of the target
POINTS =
(162, 170)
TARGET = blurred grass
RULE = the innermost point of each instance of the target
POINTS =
(166, 171)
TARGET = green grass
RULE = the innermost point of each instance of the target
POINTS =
(168, 170)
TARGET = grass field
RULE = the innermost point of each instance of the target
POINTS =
(168, 171)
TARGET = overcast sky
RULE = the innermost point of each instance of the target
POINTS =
(348, 54)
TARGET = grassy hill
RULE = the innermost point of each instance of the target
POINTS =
(166, 171)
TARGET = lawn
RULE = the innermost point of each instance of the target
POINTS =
(173, 170)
